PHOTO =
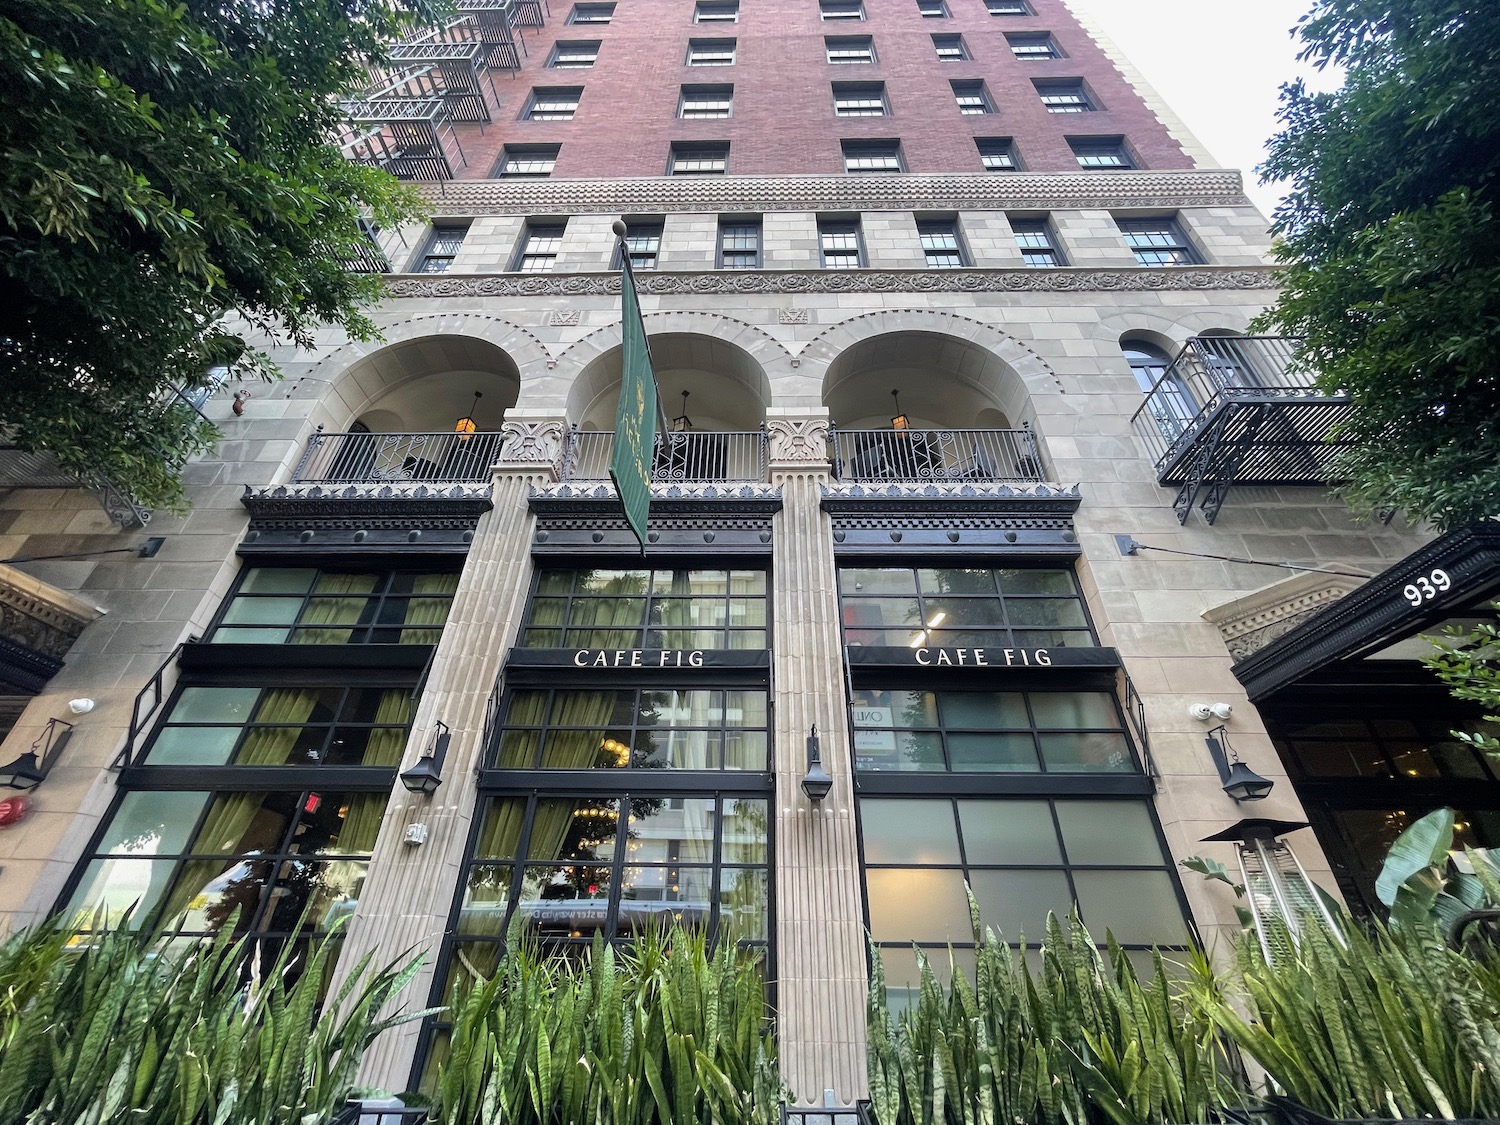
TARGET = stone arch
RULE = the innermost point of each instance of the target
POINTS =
(1166, 331)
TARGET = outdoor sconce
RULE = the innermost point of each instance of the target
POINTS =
(31, 768)
(815, 783)
(427, 774)
(1240, 781)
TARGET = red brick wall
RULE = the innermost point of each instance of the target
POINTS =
(783, 120)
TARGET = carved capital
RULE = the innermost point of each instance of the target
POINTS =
(798, 439)
(540, 442)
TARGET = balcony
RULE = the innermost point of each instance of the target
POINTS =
(365, 458)
(689, 457)
(944, 456)
(1228, 410)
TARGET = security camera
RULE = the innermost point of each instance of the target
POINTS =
(1221, 711)
(80, 706)
(1201, 711)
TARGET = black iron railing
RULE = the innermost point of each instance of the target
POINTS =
(934, 455)
(688, 456)
(365, 458)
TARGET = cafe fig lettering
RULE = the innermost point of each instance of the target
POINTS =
(983, 657)
(638, 658)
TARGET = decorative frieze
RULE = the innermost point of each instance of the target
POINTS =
(1250, 623)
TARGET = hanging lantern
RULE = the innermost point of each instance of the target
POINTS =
(466, 425)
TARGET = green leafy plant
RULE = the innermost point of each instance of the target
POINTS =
(114, 1027)
(1080, 1039)
(1423, 885)
(1468, 661)
(662, 1032)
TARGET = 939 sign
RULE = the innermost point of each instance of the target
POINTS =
(1426, 587)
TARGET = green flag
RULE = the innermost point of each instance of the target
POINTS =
(635, 422)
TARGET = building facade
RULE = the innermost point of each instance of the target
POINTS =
(965, 449)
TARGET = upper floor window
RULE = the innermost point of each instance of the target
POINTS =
(1158, 242)
(941, 245)
(592, 13)
(841, 9)
(739, 244)
(950, 48)
(971, 96)
(660, 609)
(710, 52)
(849, 48)
(959, 607)
(997, 154)
(1100, 152)
(643, 243)
(859, 99)
(442, 247)
(933, 9)
(308, 606)
(1030, 46)
(716, 11)
(575, 55)
(702, 158)
(528, 162)
(839, 243)
(1035, 241)
(1063, 95)
(539, 247)
(1008, 8)
(872, 156)
(553, 103)
(705, 102)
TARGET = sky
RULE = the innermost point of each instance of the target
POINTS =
(1219, 64)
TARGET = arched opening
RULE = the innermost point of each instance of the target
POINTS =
(428, 409)
(714, 433)
(927, 406)
(1170, 400)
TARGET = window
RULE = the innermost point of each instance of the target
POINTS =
(716, 11)
(553, 103)
(1009, 8)
(1031, 46)
(539, 247)
(933, 9)
(997, 154)
(841, 9)
(1169, 401)
(528, 161)
(872, 156)
(643, 243)
(859, 99)
(578, 54)
(838, 240)
(1064, 95)
(592, 13)
(849, 48)
(950, 48)
(442, 247)
(710, 52)
(705, 101)
(1100, 152)
(1158, 242)
(739, 249)
(1034, 237)
(940, 243)
(308, 606)
(706, 158)
(971, 97)
(660, 609)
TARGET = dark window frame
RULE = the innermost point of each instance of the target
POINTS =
(526, 154)
(587, 14)
(444, 243)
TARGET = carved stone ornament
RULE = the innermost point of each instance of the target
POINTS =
(563, 318)
(791, 316)
(966, 491)
(39, 617)
(541, 442)
(604, 490)
(1166, 189)
(798, 440)
(732, 282)
(1250, 623)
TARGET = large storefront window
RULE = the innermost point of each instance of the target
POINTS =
(306, 606)
(657, 609)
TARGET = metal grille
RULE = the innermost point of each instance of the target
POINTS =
(364, 458)
(920, 455)
(694, 455)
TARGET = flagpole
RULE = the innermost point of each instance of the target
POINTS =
(639, 418)
(621, 230)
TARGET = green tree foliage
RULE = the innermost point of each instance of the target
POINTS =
(166, 189)
(1469, 663)
(1392, 246)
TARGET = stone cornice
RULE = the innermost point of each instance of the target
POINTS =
(923, 498)
(905, 192)
(792, 282)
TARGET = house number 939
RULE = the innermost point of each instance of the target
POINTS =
(1427, 587)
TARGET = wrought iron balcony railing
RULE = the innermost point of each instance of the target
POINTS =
(365, 458)
(1230, 410)
(896, 456)
(692, 456)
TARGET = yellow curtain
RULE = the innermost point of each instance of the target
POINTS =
(579, 749)
(518, 747)
(222, 833)
(362, 822)
(386, 744)
(500, 838)
(270, 746)
(350, 594)
(429, 610)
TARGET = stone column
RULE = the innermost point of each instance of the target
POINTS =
(409, 892)
(820, 936)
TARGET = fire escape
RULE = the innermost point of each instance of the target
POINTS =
(1228, 410)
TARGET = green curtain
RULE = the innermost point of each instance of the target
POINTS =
(386, 743)
(270, 746)
(518, 747)
(577, 749)
(429, 610)
(222, 832)
(362, 822)
(352, 595)
(500, 836)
